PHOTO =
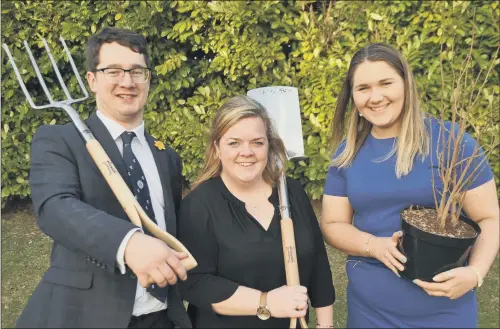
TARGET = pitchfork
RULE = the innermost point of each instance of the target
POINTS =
(120, 189)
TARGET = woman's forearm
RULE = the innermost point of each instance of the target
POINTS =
(244, 301)
(324, 316)
(347, 238)
(486, 246)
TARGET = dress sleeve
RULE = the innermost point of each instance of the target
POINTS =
(335, 184)
(479, 171)
(321, 290)
(203, 287)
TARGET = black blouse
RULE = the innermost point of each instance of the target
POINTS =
(232, 249)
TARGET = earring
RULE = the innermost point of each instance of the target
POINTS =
(361, 115)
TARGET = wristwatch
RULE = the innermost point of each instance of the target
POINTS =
(263, 312)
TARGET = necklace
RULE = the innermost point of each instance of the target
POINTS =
(253, 207)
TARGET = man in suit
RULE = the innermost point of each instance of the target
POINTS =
(101, 262)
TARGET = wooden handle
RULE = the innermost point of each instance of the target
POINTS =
(115, 181)
(189, 263)
(302, 322)
(291, 265)
(289, 252)
(132, 208)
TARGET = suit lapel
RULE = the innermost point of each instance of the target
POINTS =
(162, 164)
(108, 144)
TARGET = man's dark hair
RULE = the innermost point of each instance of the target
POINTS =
(123, 37)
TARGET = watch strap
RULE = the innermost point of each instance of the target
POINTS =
(263, 299)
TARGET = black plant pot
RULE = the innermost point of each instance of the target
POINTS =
(430, 254)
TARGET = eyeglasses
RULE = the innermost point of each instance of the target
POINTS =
(115, 74)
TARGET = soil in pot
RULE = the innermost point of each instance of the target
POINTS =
(426, 219)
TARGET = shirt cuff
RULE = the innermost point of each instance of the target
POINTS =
(120, 255)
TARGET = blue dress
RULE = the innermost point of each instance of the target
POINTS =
(376, 297)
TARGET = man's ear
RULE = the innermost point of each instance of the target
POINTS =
(91, 80)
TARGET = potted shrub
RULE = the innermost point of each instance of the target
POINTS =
(437, 239)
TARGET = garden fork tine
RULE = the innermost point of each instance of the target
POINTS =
(102, 160)
(68, 109)
(70, 100)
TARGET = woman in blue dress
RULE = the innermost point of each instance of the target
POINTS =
(382, 166)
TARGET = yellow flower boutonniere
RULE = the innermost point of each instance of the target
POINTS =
(159, 145)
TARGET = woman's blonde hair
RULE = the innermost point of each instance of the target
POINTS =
(412, 139)
(231, 112)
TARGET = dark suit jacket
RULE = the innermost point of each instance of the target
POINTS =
(83, 286)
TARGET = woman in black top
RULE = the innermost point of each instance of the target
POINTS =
(230, 223)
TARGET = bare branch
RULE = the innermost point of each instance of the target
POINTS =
(457, 170)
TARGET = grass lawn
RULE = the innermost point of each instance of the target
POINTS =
(25, 256)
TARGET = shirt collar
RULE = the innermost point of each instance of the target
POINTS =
(116, 129)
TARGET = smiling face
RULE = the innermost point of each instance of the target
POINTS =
(379, 94)
(123, 101)
(243, 151)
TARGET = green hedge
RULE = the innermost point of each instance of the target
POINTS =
(204, 52)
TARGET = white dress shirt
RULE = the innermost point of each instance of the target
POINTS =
(144, 301)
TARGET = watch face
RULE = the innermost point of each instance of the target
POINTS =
(263, 313)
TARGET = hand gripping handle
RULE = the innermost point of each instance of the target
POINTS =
(127, 200)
